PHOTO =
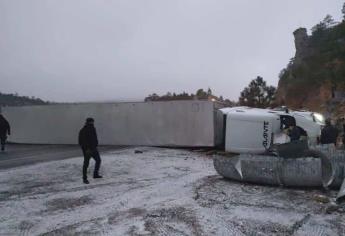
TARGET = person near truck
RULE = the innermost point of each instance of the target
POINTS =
(296, 133)
(4, 131)
(329, 134)
(344, 136)
(88, 142)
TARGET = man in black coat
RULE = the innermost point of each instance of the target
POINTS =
(88, 142)
(4, 131)
(329, 134)
(296, 133)
(344, 136)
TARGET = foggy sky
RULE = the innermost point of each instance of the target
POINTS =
(97, 50)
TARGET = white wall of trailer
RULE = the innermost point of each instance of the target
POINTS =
(171, 123)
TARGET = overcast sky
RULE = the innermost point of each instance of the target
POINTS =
(83, 50)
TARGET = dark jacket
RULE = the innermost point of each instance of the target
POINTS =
(88, 137)
(302, 131)
(294, 133)
(4, 127)
(329, 135)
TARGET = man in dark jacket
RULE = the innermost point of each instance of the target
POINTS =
(344, 136)
(329, 134)
(88, 142)
(296, 133)
(4, 131)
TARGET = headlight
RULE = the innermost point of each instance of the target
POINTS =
(319, 118)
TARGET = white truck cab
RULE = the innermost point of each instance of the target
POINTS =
(253, 130)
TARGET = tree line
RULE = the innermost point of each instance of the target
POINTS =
(16, 100)
(200, 94)
(256, 94)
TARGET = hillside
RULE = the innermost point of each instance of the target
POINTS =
(315, 78)
(16, 100)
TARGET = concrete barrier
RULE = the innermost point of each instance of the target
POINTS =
(172, 123)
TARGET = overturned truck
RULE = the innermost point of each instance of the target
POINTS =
(248, 132)
(263, 153)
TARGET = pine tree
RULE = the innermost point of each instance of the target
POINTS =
(329, 21)
(257, 94)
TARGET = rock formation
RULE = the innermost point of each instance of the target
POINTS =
(315, 78)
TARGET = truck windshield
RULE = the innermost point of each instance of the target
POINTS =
(286, 121)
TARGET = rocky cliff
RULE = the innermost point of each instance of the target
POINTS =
(315, 78)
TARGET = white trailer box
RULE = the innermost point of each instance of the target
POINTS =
(172, 123)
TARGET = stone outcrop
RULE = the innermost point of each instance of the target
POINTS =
(315, 78)
(301, 44)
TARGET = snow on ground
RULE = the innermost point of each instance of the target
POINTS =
(158, 192)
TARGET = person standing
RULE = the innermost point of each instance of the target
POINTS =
(294, 131)
(329, 134)
(88, 142)
(4, 131)
(343, 136)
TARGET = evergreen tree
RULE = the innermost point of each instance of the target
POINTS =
(201, 94)
(257, 94)
(209, 91)
(329, 21)
(319, 28)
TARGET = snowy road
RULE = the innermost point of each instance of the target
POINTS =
(25, 154)
(158, 192)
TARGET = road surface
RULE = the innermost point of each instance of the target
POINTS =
(157, 192)
(24, 154)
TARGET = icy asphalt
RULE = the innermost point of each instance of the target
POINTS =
(157, 192)
(26, 154)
